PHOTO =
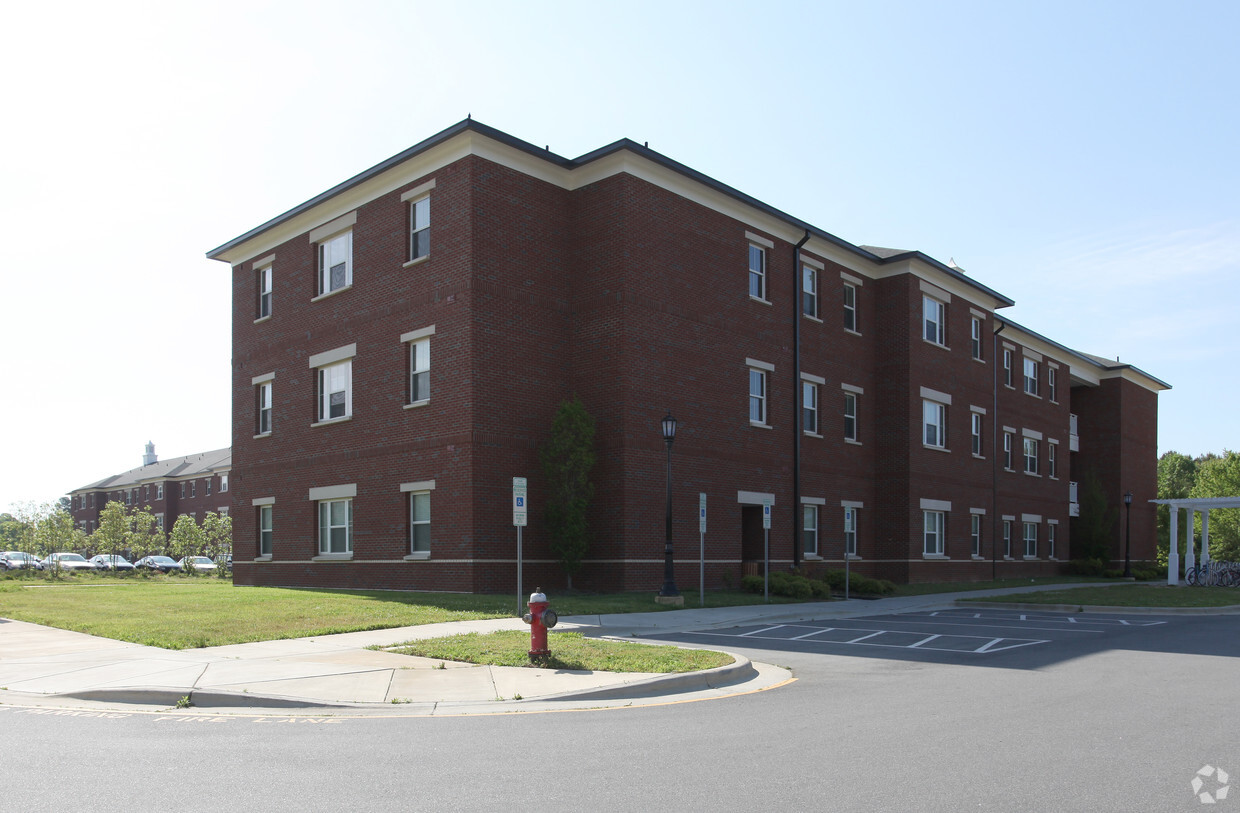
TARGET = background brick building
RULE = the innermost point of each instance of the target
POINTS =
(402, 341)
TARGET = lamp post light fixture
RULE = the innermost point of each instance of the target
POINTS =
(669, 590)
(1128, 534)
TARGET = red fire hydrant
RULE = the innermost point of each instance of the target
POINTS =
(540, 618)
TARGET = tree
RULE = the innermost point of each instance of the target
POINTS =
(146, 538)
(1177, 474)
(567, 459)
(217, 530)
(1094, 531)
(11, 531)
(112, 535)
(186, 539)
(54, 531)
(1220, 477)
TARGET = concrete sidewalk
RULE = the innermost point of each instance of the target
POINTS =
(43, 665)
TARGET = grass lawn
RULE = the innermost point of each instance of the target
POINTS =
(569, 650)
(1129, 595)
(961, 587)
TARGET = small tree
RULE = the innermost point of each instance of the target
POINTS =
(146, 538)
(54, 531)
(567, 459)
(217, 530)
(1094, 531)
(186, 539)
(114, 529)
(1220, 477)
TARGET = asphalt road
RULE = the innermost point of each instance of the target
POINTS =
(1120, 718)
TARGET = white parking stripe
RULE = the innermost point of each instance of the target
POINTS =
(863, 637)
(759, 632)
(925, 641)
(811, 633)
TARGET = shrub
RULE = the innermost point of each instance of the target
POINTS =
(790, 585)
(1113, 573)
(858, 584)
(1148, 574)
(1086, 567)
(753, 584)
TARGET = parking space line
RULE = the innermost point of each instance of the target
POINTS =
(811, 633)
(992, 626)
(924, 641)
(759, 632)
(863, 637)
(991, 646)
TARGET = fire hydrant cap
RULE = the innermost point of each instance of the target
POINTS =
(537, 597)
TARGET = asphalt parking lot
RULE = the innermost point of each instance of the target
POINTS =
(982, 637)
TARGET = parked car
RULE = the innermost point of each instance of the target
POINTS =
(67, 561)
(198, 564)
(16, 559)
(111, 561)
(164, 564)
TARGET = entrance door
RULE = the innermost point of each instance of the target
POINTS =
(752, 540)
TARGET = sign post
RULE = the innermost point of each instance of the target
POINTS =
(766, 548)
(520, 518)
(702, 548)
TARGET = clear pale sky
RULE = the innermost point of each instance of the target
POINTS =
(1080, 158)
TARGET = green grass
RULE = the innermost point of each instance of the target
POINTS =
(569, 650)
(961, 587)
(1129, 595)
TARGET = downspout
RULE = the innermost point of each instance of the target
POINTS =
(996, 361)
(796, 410)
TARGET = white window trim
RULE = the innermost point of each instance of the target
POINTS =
(328, 357)
(337, 492)
(410, 489)
(765, 368)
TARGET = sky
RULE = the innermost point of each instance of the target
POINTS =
(1078, 157)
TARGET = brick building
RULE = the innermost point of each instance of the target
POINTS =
(401, 343)
(193, 484)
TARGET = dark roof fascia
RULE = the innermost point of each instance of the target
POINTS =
(1088, 358)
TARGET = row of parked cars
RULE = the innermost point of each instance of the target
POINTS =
(16, 560)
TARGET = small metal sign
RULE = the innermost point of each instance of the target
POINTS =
(520, 503)
(701, 513)
(766, 512)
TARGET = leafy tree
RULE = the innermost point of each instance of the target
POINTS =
(1220, 477)
(1094, 531)
(217, 530)
(55, 531)
(146, 538)
(567, 459)
(112, 535)
(12, 530)
(1177, 474)
(186, 539)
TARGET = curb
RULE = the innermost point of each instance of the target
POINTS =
(1099, 608)
(197, 699)
(736, 672)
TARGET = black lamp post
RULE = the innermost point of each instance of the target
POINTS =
(669, 577)
(1128, 533)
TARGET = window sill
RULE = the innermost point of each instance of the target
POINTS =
(759, 300)
(332, 557)
(852, 442)
(329, 421)
(332, 293)
(416, 261)
(935, 448)
(1009, 469)
(810, 434)
(262, 319)
(936, 556)
(263, 435)
(979, 361)
(759, 425)
(978, 558)
(936, 344)
(813, 557)
(977, 456)
(1033, 395)
(811, 318)
(418, 556)
(1031, 559)
(852, 332)
(266, 558)
(1033, 474)
(853, 557)
(1008, 559)
(417, 404)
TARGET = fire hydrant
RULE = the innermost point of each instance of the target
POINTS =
(540, 618)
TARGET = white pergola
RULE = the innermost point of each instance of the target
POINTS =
(1193, 505)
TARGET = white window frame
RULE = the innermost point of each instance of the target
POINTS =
(328, 525)
(420, 228)
(1007, 537)
(809, 529)
(975, 337)
(1007, 450)
(266, 529)
(759, 401)
(335, 379)
(159, 491)
(1007, 368)
(1051, 527)
(933, 525)
(934, 320)
(1052, 460)
(850, 308)
(1031, 454)
(419, 491)
(1031, 540)
(223, 483)
(809, 290)
(1052, 385)
(193, 489)
(975, 430)
(207, 480)
(975, 533)
(757, 272)
(333, 252)
(419, 372)
(265, 282)
(1031, 376)
(933, 424)
(809, 407)
(850, 416)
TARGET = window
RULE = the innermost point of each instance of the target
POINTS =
(1052, 465)
(146, 493)
(1050, 540)
(809, 529)
(809, 407)
(976, 431)
(934, 424)
(1051, 389)
(757, 272)
(335, 391)
(159, 521)
(975, 338)
(92, 496)
(264, 408)
(420, 522)
(1007, 450)
(193, 488)
(208, 482)
(336, 263)
(757, 396)
(223, 483)
(850, 416)
(809, 290)
(975, 532)
(1031, 456)
(933, 313)
(159, 491)
(934, 533)
(335, 526)
(1031, 540)
(1007, 367)
(419, 228)
(850, 308)
(850, 530)
(264, 292)
(265, 513)
(419, 371)
(1031, 376)
(1007, 539)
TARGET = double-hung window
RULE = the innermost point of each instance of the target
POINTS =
(1031, 455)
(419, 371)
(934, 320)
(1031, 540)
(757, 272)
(850, 308)
(1051, 389)
(223, 483)
(1031, 376)
(263, 399)
(1007, 539)
(933, 522)
(975, 533)
(757, 390)
(850, 530)
(265, 515)
(264, 292)
(420, 228)
(809, 290)
(208, 484)
(159, 491)
(934, 424)
(336, 262)
(334, 387)
(809, 529)
(419, 507)
(850, 415)
(1052, 464)
(193, 489)
(1007, 450)
(809, 407)
(1007, 367)
(975, 337)
(1050, 540)
(335, 526)
(976, 432)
